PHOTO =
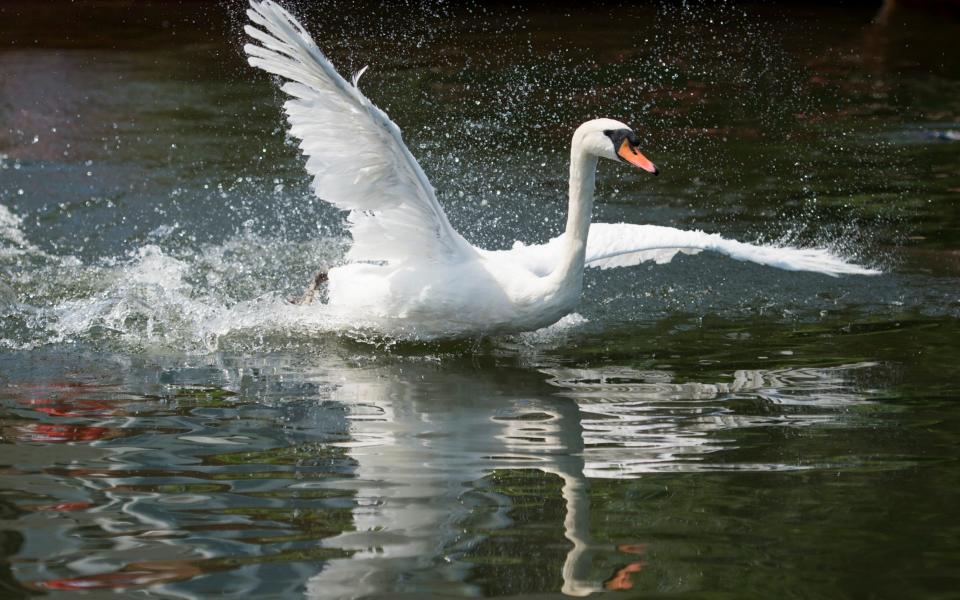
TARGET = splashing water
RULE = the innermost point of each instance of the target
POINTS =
(208, 247)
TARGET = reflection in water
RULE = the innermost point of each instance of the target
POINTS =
(374, 480)
(417, 453)
(671, 426)
(417, 450)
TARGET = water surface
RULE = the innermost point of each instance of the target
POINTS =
(170, 427)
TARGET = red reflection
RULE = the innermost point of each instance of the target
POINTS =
(65, 400)
(98, 582)
(622, 579)
(133, 575)
(63, 506)
(57, 433)
(79, 408)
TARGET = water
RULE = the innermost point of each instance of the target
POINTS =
(171, 427)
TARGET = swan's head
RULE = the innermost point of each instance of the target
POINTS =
(613, 140)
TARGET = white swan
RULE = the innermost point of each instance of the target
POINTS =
(408, 271)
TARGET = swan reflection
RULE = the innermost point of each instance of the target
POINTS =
(335, 480)
(419, 447)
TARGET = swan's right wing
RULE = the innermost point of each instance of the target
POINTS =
(623, 244)
(356, 154)
(612, 245)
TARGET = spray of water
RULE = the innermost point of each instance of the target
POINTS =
(208, 249)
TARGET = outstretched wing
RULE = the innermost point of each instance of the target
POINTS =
(355, 152)
(624, 245)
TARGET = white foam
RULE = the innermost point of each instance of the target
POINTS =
(149, 299)
(12, 239)
(556, 332)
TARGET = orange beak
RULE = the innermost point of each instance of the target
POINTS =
(633, 156)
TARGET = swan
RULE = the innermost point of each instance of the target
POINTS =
(408, 272)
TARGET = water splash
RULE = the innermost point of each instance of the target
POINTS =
(13, 242)
(152, 297)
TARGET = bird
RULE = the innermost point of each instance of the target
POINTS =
(408, 272)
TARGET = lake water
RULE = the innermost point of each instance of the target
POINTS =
(170, 427)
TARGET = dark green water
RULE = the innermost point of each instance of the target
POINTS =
(706, 428)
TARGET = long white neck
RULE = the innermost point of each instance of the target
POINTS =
(583, 177)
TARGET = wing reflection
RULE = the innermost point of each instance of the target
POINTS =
(640, 421)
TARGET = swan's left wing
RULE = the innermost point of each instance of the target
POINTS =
(612, 245)
(356, 154)
(623, 245)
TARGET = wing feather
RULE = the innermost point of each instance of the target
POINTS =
(612, 245)
(624, 244)
(355, 153)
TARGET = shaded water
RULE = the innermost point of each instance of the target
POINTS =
(171, 427)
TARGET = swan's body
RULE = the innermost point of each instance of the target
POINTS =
(408, 270)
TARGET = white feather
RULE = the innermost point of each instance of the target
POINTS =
(355, 152)
(358, 75)
(624, 245)
(611, 245)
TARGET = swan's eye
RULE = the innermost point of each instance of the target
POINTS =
(618, 135)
